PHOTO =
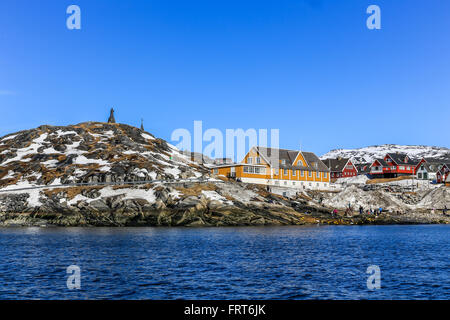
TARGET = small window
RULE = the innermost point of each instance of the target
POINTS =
(246, 169)
(283, 161)
(249, 160)
(294, 172)
(317, 174)
(285, 172)
(302, 173)
(325, 175)
(258, 160)
(216, 171)
(310, 174)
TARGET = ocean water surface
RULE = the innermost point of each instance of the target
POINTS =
(323, 262)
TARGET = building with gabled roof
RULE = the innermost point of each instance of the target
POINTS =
(341, 168)
(427, 168)
(393, 165)
(443, 173)
(363, 168)
(399, 159)
(278, 167)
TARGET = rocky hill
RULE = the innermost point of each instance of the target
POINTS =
(89, 152)
(108, 174)
(369, 154)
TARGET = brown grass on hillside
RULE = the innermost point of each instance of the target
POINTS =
(134, 157)
(146, 186)
(384, 180)
(89, 166)
(4, 171)
(48, 175)
(70, 192)
(197, 189)
(222, 178)
(7, 182)
(121, 187)
(262, 191)
(87, 125)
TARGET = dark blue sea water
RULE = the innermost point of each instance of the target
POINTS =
(226, 263)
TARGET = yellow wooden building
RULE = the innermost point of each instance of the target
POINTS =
(278, 167)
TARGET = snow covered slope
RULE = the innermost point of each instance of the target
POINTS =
(89, 152)
(368, 154)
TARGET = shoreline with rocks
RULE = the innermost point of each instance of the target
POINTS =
(199, 206)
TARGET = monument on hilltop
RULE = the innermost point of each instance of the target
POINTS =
(111, 116)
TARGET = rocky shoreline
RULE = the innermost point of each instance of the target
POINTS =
(221, 218)
(189, 211)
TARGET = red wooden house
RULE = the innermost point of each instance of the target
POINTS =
(443, 173)
(393, 165)
(341, 168)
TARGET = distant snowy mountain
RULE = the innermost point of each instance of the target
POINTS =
(368, 154)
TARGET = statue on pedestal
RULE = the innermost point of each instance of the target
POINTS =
(111, 116)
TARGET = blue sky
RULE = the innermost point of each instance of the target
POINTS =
(309, 68)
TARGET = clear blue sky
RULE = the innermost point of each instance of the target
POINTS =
(309, 68)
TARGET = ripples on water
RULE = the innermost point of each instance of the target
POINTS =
(226, 263)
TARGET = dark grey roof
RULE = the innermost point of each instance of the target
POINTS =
(430, 167)
(381, 161)
(445, 162)
(311, 158)
(336, 164)
(434, 160)
(399, 158)
(283, 154)
(289, 157)
(434, 165)
(363, 167)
